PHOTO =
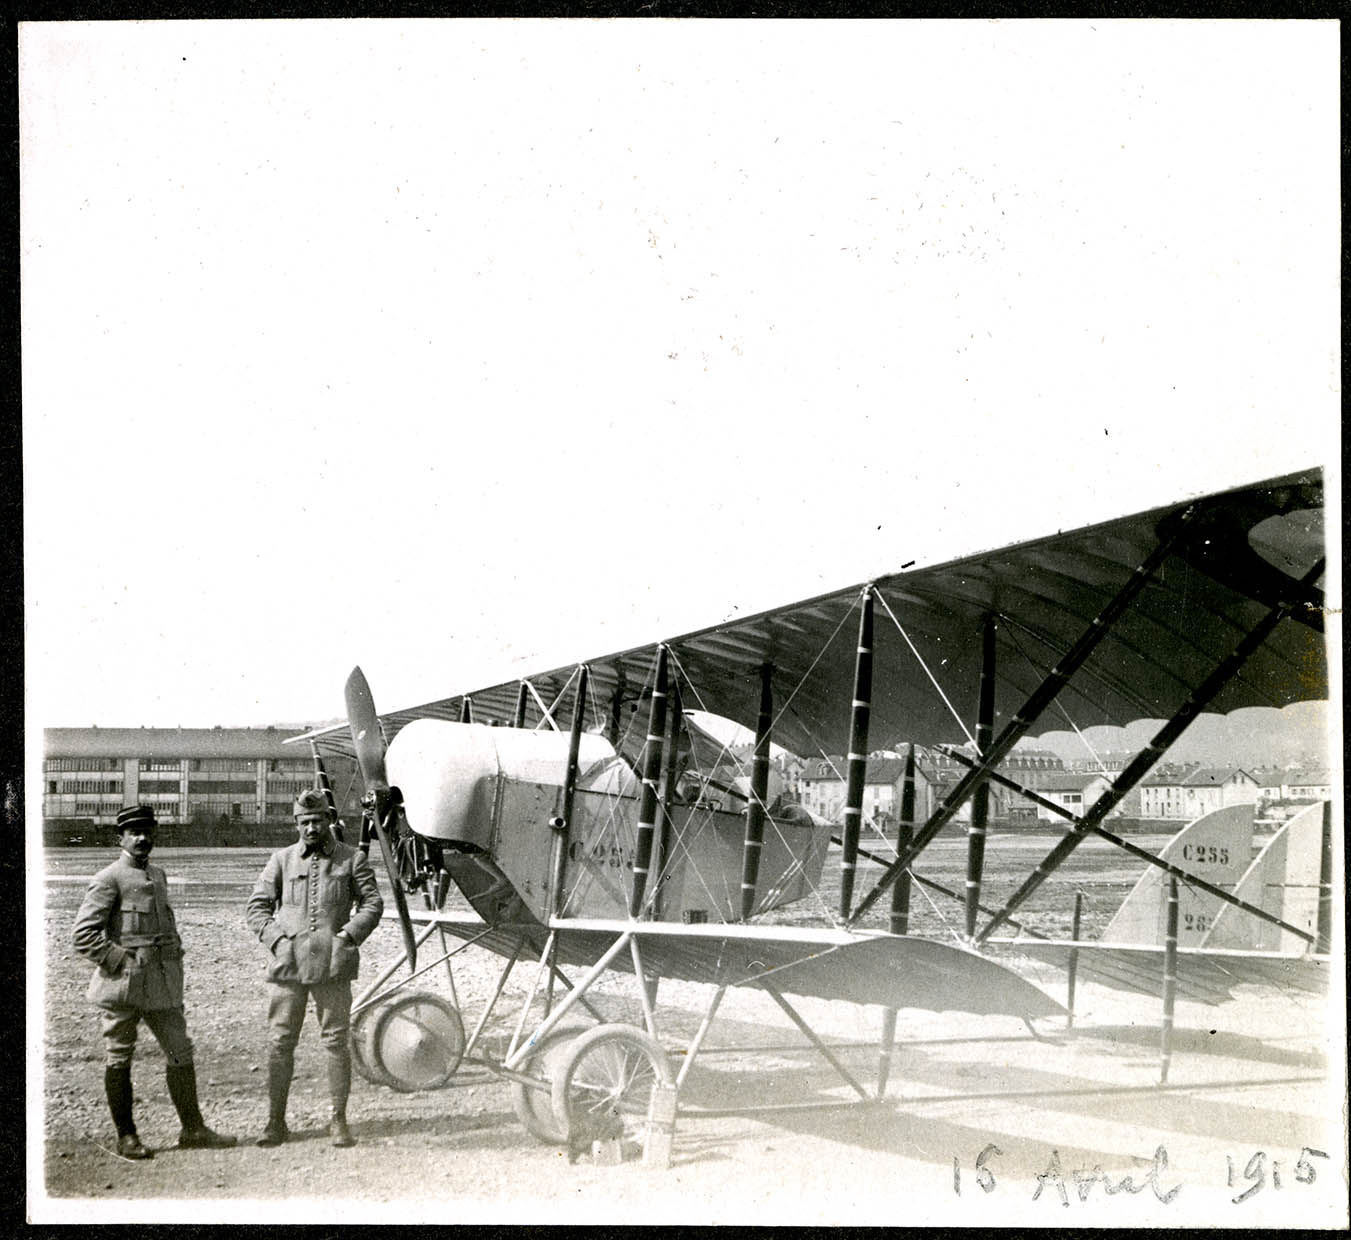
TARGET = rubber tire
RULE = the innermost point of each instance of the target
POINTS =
(627, 1038)
(364, 1067)
(454, 1025)
(534, 1107)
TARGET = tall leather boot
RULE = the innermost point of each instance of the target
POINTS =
(117, 1087)
(279, 1066)
(195, 1135)
(339, 1086)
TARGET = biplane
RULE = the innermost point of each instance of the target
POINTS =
(584, 815)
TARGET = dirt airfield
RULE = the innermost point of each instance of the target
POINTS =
(984, 1121)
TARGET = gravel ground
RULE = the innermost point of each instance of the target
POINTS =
(1249, 1078)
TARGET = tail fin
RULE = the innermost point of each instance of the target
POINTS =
(1286, 878)
(1217, 847)
(1282, 875)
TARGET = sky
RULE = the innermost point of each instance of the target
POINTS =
(456, 349)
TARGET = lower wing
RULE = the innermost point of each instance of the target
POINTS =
(1204, 975)
(868, 968)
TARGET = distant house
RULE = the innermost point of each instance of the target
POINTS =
(1269, 783)
(1075, 791)
(823, 785)
(1196, 791)
(791, 767)
(1112, 760)
(1030, 768)
(1308, 785)
(1111, 763)
(1027, 766)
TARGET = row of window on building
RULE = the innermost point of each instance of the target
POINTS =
(244, 811)
(188, 775)
(177, 764)
(172, 787)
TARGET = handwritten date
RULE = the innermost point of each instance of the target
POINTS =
(1056, 1181)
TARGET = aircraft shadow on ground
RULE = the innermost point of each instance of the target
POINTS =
(495, 1129)
(804, 1095)
(1211, 1042)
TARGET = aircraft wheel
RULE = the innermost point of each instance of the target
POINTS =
(604, 1084)
(363, 1028)
(417, 1042)
(534, 1107)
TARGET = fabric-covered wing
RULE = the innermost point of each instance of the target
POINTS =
(1243, 551)
(823, 964)
(1204, 975)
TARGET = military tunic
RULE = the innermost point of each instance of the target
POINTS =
(126, 928)
(298, 905)
(307, 900)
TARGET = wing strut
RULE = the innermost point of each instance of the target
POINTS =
(858, 751)
(1031, 711)
(755, 807)
(1169, 983)
(980, 801)
(1324, 945)
(647, 813)
(561, 832)
(900, 910)
(905, 830)
(668, 788)
(1143, 761)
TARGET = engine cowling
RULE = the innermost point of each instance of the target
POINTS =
(448, 772)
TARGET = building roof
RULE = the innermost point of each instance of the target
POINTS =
(167, 743)
(1016, 757)
(1195, 777)
(1306, 778)
(1071, 781)
(1212, 776)
(879, 770)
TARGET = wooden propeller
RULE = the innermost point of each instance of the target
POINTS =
(387, 809)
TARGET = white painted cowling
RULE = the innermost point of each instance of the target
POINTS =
(447, 771)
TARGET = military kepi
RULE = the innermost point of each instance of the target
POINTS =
(135, 815)
(311, 801)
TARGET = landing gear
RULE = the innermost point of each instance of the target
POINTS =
(411, 1044)
(533, 1104)
(604, 1084)
(363, 1026)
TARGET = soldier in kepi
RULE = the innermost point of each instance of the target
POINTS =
(126, 927)
(311, 907)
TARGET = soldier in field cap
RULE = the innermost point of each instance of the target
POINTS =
(126, 927)
(312, 905)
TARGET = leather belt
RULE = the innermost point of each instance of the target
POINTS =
(149, 940)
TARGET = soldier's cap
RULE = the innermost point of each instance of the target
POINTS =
(135, 815)
(311, 801)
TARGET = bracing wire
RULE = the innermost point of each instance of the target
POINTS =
(938, 912)
(919, 658)
(683, 845)
(802, 680)
(707, 822)
(1059, 705)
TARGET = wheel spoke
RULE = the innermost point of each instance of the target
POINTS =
(606, 1084)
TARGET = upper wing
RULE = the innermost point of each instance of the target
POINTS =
(1243, 551)
(826, 964)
